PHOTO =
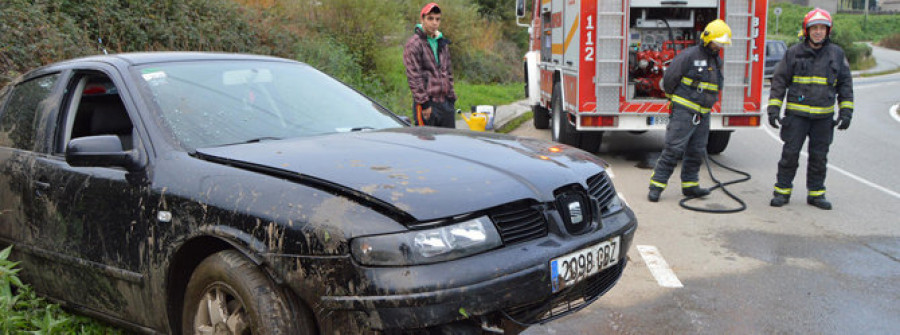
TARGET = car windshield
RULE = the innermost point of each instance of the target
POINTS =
(216, 103)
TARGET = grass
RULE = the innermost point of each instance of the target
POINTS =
(515, 123)
(22, 311)
(491, 94)
(396, 96)
(881, 73)
(862, 64)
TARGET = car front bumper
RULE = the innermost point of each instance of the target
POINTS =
(512, 282)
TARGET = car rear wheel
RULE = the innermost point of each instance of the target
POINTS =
(228, 294)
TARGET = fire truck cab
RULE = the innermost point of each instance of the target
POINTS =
(597, 65)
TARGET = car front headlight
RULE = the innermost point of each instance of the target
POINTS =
(427, 246)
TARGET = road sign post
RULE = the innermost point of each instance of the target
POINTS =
(777, 12)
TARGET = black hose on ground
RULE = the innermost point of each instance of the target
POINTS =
(721, 185)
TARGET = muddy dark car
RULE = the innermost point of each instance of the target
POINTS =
(198, 193)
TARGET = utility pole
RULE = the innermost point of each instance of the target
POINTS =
(866, 17)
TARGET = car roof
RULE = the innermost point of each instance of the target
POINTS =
(141, 58)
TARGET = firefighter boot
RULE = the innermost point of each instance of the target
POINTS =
(819, 201)
(655, 192)
(695, 191)
(780, 200)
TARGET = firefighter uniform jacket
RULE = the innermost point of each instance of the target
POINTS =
(812, 79)
(693, 79)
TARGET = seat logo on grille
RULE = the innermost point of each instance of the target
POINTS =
(575, 215)
(575, 211)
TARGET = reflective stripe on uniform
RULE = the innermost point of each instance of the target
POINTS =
(846, 104)
(780, 190)
(810, 80)
(657, 184)
(687, 103)
(809, 109)
(686, 184)
(701, 84)
(774, 102)
(816, 193)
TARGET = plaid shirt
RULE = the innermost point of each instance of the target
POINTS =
(428, 81)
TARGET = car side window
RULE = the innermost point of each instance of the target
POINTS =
(95, 108)
(17, 121)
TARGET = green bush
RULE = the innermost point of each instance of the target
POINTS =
(856, 26)
(33, 36)
(40, 32)
(849, 31)
(22, 311)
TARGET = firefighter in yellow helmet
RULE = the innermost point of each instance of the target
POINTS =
(692, 82)
(810, 80)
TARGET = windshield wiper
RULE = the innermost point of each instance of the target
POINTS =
(353, 129)
(254, 140)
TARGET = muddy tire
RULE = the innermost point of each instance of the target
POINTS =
(541, 117)
(228, 294)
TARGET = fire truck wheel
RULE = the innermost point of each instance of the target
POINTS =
(541, 117)
(718, 140)
(591, 141)
(563, 131)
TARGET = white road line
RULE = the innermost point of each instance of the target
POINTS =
(893, 112)
(842, 171)
(658, 266)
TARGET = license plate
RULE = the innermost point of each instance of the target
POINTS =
(660, 120)
(579, 265)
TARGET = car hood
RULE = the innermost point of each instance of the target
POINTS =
(428, 173)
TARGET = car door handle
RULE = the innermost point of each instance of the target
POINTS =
(41, 187)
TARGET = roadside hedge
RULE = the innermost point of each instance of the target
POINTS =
(38, 32)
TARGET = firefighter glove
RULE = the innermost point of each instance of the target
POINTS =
(774, 120)
(843, 120)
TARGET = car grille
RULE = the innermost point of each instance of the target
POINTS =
(601, 188)
(569, 300)
(519, 222)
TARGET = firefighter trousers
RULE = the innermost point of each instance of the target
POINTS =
(794, 131)
(686, 138)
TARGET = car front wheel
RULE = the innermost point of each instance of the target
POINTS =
(228, 294)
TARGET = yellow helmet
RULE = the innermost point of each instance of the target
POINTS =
(717, 31)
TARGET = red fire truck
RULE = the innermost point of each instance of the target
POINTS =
(597, 65)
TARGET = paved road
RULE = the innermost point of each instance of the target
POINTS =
(885, 60)
(766, 270)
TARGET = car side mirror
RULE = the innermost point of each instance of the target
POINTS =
(520, 8)
(101, 151)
